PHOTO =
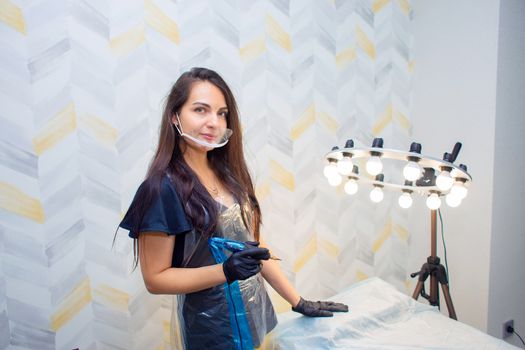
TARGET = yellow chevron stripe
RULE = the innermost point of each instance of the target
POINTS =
(166, 331)
(329, 122)
(360, 275)
(306, 254)
(365, 43)
(343, 58)
(71, 305)
(173, 330)
(128, 41)
(403, 121)
(268, 342)
(383, 121)
(340, 190)
(305, 120)
(60, 126)
(405, 6)
(252, 50)
(408, 285)
(402, 232)
(387, 231)
(378, 5)
(329, 248)
(262, 191)
(17, 202)
(12, 15)
(278, 34)
(411, 66)
(112, 297)
(281, 175)
(156, 18)
(280, 305)
(99, 129)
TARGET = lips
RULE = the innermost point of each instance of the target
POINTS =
(208, 137)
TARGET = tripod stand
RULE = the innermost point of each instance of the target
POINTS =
(437, 274)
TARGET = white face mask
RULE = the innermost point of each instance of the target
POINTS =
(223, 140)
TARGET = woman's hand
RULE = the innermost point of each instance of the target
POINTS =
(245, 263)
(319, 308)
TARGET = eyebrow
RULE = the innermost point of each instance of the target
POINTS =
(207, 105)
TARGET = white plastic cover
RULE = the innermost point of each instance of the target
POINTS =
(380, 317)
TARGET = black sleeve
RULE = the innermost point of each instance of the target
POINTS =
(165, 214)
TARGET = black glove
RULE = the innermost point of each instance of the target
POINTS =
(250, 244)
(244, 264)
(319, 308)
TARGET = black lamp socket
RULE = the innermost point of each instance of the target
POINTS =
(455, 151)
(410, 184)
(415, 147)
(377, 142)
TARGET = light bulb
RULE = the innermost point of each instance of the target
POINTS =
(444, 181)
(452, 200)
(459, 190)
(351, 186)
(345, 166)
(412, 171)
(433, 201)
(335, 180)
(330, 170)
(405, 200)
(376, 195)
(374, 165)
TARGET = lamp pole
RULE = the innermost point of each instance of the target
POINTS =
(437, 274)
(434, 292)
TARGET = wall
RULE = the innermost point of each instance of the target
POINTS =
(81, 89)
(507, 281)
(454, 99)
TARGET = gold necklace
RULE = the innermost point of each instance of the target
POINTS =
(216, 194)
(214, 190)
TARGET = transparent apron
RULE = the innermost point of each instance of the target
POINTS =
(205, 319)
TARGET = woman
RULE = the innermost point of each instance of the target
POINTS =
(198, 187)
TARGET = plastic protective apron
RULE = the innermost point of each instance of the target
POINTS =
(205, 318)
(241, 330)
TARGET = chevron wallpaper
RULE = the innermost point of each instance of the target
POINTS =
(81, 89)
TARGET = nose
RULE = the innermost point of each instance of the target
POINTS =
(213, 120)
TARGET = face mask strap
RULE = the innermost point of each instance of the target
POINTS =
(200, 142)
(177, 125)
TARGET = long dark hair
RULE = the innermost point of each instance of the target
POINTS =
(227, 162)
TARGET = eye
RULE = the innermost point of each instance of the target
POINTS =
(223, 114)
(199, 109)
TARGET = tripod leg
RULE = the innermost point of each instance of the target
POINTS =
(434, 290)
(448, 300)
(423, 275)
(418, 289)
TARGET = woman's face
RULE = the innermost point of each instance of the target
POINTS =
(203, 116)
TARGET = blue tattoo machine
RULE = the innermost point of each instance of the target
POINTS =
(233, 246)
